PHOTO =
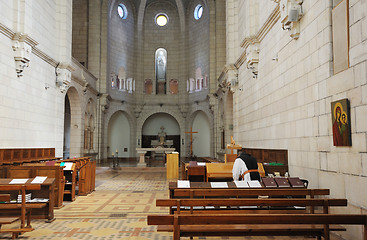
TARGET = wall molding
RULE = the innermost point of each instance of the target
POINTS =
(260, 35)
(33, 43)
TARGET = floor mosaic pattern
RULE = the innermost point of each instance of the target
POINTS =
(116, 210)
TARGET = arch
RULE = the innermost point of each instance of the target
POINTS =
(119, 135)
(67, 127)
(228, 116)
(189, 123)
(174, 113)
(75, 122)
(201, 140)
(153, 123)
(132, 121)
(162, 124)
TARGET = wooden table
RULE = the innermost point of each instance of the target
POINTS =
(47, 191)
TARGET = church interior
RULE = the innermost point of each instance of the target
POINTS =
(124, 101)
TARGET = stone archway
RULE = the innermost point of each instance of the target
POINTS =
(161, 123)
(73, 121)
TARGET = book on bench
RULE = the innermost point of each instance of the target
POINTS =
(295, 182)
(282, 182)
(269, 182)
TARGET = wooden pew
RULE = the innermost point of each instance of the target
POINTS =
(315, 225)
(244, 192)
(38, 169)
(25, 208)
(86, 172)
(226, 205)
(24, 155)
(219, 170)
(39, 210)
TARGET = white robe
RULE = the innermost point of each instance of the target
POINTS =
(239, 167)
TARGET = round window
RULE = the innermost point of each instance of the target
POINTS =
(161, 19)
(122, 11)
(198, 12)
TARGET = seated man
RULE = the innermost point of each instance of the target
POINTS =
(245, 167)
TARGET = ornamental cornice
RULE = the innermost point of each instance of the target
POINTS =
(260, 35)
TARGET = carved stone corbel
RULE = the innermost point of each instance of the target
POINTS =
(232, 77)
(22, 52)
(137, 110)
(213, 98)
(63, 77)
(252, 58)
(105, 101)
(183, 110)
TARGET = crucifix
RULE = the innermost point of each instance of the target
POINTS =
(191, 132)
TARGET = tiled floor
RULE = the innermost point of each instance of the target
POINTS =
(116, 210)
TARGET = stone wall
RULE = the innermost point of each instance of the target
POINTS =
(80, 31)
(288, 105)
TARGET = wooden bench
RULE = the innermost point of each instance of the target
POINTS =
(24, 155)
(43, 210)
(245, 192)
(272, 205)
(314, 225)
(86, 172)
(38, 169)
(25, 208)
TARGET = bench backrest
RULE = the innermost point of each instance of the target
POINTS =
(22, 190)
(245, 192)
(34, 171)
(192, 203)
(20, 155)
(221, 219)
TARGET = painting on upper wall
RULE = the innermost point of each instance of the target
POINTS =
(340, 116)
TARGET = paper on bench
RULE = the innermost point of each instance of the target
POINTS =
(254, 184)
(219, 184)
(19, 181)
(241, 184)
(38, 180)
(201, 163)
(183, 184)
(68, 165)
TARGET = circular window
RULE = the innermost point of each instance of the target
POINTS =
(198, 12)
(161, 19)
(122, 11)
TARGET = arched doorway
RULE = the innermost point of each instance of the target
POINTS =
(67, 124)
(160, 124)
(119, 135)
(73, 142)
(201, 140)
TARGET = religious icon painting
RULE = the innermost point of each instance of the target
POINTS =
(340, 116)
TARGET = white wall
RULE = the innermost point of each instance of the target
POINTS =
(288, 105)
(153, 124)
(119, 135)
(201, 140)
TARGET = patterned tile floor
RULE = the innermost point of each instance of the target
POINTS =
(116, 210)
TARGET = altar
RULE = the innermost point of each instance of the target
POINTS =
(143, 151)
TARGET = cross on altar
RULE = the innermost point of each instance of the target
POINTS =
(191, 132)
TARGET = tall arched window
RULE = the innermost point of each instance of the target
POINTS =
(161, 70)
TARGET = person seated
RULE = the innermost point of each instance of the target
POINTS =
(245, 167)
